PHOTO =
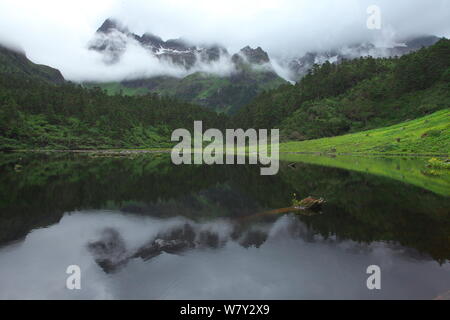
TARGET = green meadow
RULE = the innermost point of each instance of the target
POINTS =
(426, 136)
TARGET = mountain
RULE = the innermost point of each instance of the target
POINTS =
(355, 95)
(250, 71)
(112, 40)
(251, 56)
(223, 94)
(17, 63)
(253, 74)
(333, 99)
(300, 66)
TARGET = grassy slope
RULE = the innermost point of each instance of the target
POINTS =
(219, 93)
(427, 135)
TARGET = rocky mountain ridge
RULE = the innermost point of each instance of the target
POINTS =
(112, 40)
(251, 69)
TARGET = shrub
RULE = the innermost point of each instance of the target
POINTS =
(438, 164)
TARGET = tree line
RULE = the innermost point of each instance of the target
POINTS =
(36, 114)
(355, 95)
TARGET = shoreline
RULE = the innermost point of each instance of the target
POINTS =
(125, 152)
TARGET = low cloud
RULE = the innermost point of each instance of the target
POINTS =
(136, 62)
(57, 33)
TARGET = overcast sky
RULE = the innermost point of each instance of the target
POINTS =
(56, 32)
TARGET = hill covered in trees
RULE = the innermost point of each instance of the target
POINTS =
(38, 109)
(355, 95)
(223, 94)
(36, 114)
(207, 74)
(13, 62)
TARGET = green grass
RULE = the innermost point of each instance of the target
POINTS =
(410, 170)
(427, 135)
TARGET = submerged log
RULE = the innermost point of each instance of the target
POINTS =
(311, 203)
(308, 207)
(296, 210)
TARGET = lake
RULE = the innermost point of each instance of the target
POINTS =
(140, 227)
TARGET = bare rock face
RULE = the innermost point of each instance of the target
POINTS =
(248, 55)
(152, 42)
(112, 40)
(255, 56)
(111, 25)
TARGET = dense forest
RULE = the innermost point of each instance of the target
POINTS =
(38, 109)
(219, 93)
(356, 95)
(15, 62)
(36, 114)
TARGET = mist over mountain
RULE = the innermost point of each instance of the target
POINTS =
(57, 33)
(113, 40)
(120, 60)
(299, 66)
(207, 74)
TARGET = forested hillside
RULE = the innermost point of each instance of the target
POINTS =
(39, 110)
(207, 74)
(221, 94)
(36, 114)
(16, 63)
(356, 95)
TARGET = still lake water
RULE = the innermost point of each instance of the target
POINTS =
(143, 228)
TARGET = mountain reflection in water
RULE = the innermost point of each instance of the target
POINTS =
(143, 228)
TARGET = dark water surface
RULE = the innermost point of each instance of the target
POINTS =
(143, 228)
